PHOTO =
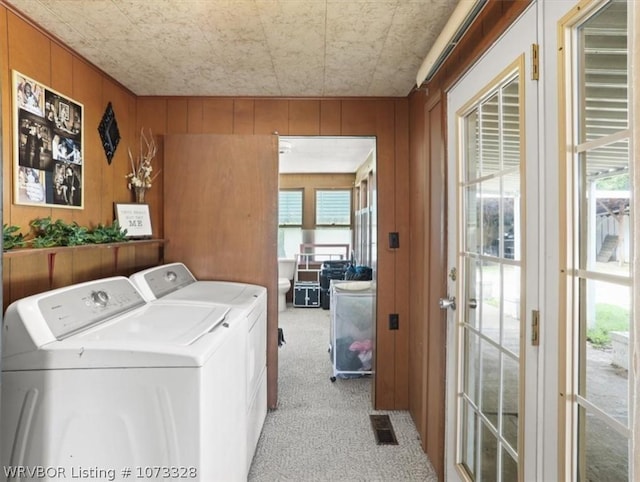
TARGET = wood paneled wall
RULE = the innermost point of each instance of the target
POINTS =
(428, 216)
(36, 54)
(387, 120)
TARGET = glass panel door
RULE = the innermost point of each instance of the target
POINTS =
(491, 257)
(492, 368)
(599, 282)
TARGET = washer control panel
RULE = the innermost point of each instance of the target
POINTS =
(71, 310)
(166, 279)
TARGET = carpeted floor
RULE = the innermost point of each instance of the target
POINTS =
(321, 430)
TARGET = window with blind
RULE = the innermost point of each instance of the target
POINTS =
(290, 208)
(333, 208)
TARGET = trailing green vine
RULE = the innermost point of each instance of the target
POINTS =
(48, 234)
(12, 238)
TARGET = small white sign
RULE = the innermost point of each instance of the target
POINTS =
(135, 218)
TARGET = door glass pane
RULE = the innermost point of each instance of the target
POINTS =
(491, 216)
(491, 301)
(472, 219)
(511, 124)
(468, 449)
(606, 209)
(474, 285)
(489, 455)
(607, 318)
(510, 229)
(490, 137)
(472, 146)
(603, 71)
(472, 364)
(490, 382)
(604, 452)
(510, 400)
(509, 467)
(511, 321)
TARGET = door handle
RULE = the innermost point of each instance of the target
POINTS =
(448, 303)
(473, 303)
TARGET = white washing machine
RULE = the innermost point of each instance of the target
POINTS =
(174, 282)
(96, 382)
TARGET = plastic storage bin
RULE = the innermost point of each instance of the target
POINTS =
(351, 333)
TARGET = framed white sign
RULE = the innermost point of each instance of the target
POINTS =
(135, 218)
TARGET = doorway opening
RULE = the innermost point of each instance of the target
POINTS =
(327, 235)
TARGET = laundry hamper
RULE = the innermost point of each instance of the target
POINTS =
(351, 333)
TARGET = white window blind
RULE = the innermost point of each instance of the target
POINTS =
(290, 208)
(333, 208)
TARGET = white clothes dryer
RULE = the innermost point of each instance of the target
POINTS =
(97, 382)
(174, 282)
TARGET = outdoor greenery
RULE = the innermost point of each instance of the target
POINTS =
(48, 234)
(608, 318)
(620, 182)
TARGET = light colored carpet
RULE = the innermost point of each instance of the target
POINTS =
(321, 430)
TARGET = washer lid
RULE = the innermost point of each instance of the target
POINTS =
(224, 292)
(158, 323)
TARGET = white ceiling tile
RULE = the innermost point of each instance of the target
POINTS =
(249, 47)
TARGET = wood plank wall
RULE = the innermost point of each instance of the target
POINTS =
(428, 215)
(36, 54)
(387, 120)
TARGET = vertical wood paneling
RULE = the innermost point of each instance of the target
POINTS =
(217, 116)
(402, 256)
(419, 264)
(437, 333)
(243, 116)
(194, 116)
(61, 69)
(271, 115)
(304, 117)
(29, 50)
(359, 118)
(379, 118)
(176, 118)
(330, 117)
(29, 275)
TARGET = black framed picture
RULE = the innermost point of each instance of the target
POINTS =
(48, 146)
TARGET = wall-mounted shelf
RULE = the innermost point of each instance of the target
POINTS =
(51, 252)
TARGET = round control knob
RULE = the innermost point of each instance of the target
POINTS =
(171, 276)
(100, 298)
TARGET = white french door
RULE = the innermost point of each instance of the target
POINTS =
(492, 360)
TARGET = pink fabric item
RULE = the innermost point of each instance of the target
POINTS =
(361, 346)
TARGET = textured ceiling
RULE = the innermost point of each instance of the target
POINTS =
(307, 48)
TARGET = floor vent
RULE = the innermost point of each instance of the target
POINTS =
(383, 430)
